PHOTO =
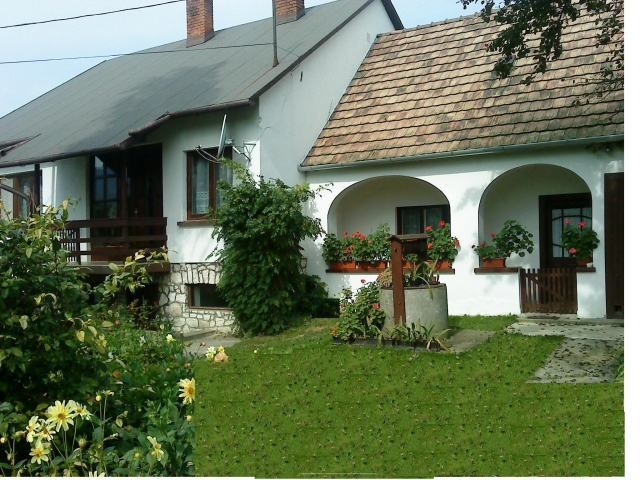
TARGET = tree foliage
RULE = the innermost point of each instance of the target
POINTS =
(534, 28)
(50, 342)
(261, 225)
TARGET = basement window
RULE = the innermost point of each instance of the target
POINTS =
(205, 296)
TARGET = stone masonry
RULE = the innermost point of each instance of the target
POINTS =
(173, 299)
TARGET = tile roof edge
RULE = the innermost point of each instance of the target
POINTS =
(465, 153)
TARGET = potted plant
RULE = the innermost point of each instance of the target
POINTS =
(442, 248)
(513, 238)
(357, 251)
(579, 241)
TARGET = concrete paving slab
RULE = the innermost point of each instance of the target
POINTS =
(214, 340)
(464, 340)
(594, 332)
(579, 361)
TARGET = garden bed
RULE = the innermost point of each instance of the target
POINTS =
(394, 343)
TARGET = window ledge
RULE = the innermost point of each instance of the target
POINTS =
(197, 223)
(444, 271)
(586, 269)
(496, 270)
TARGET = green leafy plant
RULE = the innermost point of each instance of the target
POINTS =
(580, 241)
(260, 227)
(513, 238)
(441, 245)
(360, 315)
(358, 246)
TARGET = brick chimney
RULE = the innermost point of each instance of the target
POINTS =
(289, 10)
(199, 21)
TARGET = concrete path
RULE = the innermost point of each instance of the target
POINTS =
(464, 340)
(586, 355)
(210, 339)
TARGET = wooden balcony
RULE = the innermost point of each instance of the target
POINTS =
(104, 241)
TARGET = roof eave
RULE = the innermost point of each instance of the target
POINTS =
(465, 153)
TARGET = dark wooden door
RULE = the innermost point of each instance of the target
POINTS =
(614, 243)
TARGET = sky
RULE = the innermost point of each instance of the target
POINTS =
(124, 33)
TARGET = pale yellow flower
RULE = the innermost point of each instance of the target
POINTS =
(170, 338)
(211, 352)
(220, 357)
(221, 349)
(95, 474)
(189, 418)
(40, 452)
(156, 448)
(187, 390)
(60, 415)
(98, 398)
(32, 428)
(45, 432)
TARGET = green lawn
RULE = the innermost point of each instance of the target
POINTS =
(303, 408)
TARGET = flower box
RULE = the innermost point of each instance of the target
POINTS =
(494, 262)
(356, 266)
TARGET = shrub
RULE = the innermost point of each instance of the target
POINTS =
(358, 246)
(513, 238)
(360, 316)
(261, 225)
(579, 241)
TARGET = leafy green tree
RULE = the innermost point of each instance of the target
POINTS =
(534, 28)
(261, 225)
(50, 342)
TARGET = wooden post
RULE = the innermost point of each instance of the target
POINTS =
(398, 282)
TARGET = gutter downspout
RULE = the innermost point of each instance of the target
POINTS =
(464, 153)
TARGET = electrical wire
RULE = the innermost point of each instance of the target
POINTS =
(90, 15)
(10, 62)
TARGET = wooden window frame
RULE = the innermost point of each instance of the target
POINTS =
(399, 211)
(190, 298)
(546, 204)
(212, 181)
(17, 201)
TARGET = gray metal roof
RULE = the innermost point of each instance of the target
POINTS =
(112, 104)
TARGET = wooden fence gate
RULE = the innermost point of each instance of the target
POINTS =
(549, 290)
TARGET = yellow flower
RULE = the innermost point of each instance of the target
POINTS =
(170, 338)
(220, 357)
(189, 418)
(45, 433)
(60, 415)
(3, 440)
(221, 349)
(255, 351)
(40, 452)
(188, 390)
(95, 474)
(98, 398)
(156, 448)
(32, 428)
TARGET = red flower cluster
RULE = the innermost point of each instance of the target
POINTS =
(376, 306)
(493, 235)
(429, 245)
(567, 221)
(582, 224)
(572, 251)
(362, 281)
(428, 229)
(442, 223)
(456, 242)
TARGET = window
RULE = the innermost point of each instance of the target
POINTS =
(17, 205)
(202, 179)
(554, 209)
(415, 219)
(105, 188)
(205, 296)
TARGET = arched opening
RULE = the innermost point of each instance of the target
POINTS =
(406, 204)
(539, 197)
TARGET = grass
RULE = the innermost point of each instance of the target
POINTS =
(478, 322)
(303, 408)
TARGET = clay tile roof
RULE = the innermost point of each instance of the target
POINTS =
(430, 89)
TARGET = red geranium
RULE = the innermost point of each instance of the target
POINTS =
(362, 237)
(346, 251)
(429, 245)
(428, 229)
(567, 221)
(456, 242)
(346, 234)
(442, 223)
(362, 281)
(473, 246)
(493, 235)
(582, 224)
(572, 251)
(376, 306)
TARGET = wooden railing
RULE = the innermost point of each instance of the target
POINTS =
(113, 239)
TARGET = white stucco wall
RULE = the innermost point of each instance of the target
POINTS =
(193, 243)
(464, 181)
(60, 180)
(293, 112)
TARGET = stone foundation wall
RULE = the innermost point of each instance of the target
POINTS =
(173, 299)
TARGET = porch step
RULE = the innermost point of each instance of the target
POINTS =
(568, 319)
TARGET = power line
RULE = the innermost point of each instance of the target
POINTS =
(141, 53)
(91, 14)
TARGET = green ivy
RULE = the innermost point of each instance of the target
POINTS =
(260, 227)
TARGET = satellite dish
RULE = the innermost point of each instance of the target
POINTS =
(223, 137)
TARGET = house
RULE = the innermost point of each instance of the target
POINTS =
(124, 137)
(425, 131)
